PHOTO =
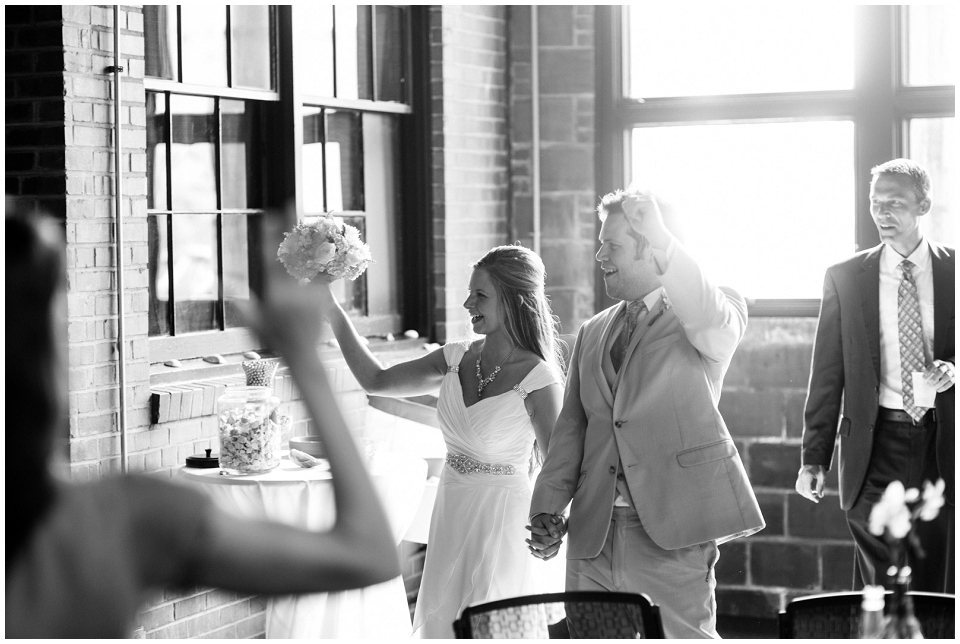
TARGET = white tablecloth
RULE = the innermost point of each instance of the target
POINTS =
(304, 497)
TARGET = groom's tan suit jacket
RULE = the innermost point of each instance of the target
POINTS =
(659, 418)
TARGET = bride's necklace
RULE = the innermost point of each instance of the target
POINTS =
(493, 374)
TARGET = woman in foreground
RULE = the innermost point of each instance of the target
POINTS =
(82, 558)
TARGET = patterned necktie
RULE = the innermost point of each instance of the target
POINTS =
(911, 337)
(619, 350)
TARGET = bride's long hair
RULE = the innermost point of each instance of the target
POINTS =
(519, 276)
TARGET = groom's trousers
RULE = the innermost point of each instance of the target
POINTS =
(681, 582)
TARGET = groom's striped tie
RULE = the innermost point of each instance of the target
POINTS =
(619, 350)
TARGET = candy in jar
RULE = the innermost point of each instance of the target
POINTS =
(249, 430)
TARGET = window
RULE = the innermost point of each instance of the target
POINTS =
(205, 161)
(222, 146)
(352, 52)
(931, 143)
(804, 188)
(757, 127)
(202, 200)
(353, 102)
(930, 58)
(931, 52)
(718, 49)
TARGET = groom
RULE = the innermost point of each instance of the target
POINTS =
(640, 449)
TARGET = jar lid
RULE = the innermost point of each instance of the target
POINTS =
(199, 460)
(249, 393)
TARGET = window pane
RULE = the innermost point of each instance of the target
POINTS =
(352, 295)
(764, 207)
(381, 174)
(160, 41)
(241, 266)
(344, 161)
(391, 62)
(931, 45)
(195, 281)
(156, 151)
(932, 144)
(159, 278)
(250, 50)
(241, 155)
(353, 52)
(193, 153)
(204, 38)
(722, 48)
(312, 160)
(314, 48)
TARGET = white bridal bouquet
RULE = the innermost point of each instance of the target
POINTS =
(326, 245)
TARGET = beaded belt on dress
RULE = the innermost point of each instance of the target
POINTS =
(467, 465)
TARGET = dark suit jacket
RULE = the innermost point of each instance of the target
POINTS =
(846, 368)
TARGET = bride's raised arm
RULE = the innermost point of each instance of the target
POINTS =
(411, 378)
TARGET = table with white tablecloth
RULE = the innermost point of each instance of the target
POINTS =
(304, 498)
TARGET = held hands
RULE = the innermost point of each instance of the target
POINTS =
(546, 531)
(941, 375)
(644, 215)
(810, 482)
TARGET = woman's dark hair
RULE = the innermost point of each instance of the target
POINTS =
(35, 274)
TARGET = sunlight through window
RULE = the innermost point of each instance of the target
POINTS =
(714, 49)
(765, 207)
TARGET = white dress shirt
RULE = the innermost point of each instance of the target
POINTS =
(891, 382)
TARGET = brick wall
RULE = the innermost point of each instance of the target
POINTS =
(566, 84)
(805, 547)
(34, 104)
(92, 306)
(470, 150)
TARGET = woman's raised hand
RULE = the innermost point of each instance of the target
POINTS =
(328, 301)
(288, 316)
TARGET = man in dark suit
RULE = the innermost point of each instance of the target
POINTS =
(887, 314)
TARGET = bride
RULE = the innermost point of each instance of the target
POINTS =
(499, 397)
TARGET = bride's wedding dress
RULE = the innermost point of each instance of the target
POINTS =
(476, 550)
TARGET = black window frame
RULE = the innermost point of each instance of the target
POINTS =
(880, 105)
(284, 127)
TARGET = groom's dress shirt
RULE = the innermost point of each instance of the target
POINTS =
(891, 388)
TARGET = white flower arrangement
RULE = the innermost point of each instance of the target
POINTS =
(893, 515)
(893, 518)
(326, 245)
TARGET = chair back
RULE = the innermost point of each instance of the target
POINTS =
(837, 615)
(936, 613)
(569, 615)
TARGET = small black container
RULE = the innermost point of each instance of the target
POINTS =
(200, 460)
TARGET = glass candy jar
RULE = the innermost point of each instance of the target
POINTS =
(249, 430)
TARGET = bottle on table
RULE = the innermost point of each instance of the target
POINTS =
(872, 620)
(902, 624)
